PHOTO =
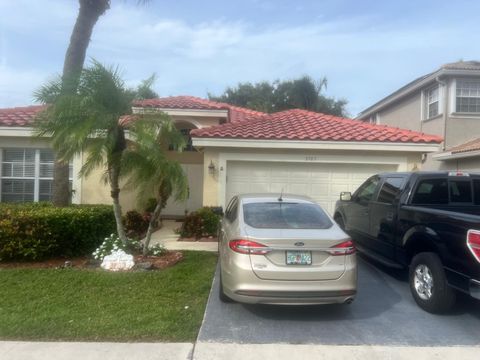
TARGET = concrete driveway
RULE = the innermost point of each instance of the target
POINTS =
(384, 313)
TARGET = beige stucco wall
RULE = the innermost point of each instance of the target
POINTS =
(95, 191)
(405, 114)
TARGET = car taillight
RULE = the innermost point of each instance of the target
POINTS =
(344, 248)
(248, 247)
(473, 243)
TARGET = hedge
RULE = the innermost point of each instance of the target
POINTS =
(41, 231)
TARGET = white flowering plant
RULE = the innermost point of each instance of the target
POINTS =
(113, 243)
(157, 250)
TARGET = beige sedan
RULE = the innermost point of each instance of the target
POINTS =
(284, 249)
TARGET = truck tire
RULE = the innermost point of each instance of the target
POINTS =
(428, 284)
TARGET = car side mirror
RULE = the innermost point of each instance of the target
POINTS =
(346, 196)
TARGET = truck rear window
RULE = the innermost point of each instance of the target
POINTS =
(431, 192)
(476, 191)
(281, 215)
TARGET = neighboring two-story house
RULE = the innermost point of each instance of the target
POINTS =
(445, 102)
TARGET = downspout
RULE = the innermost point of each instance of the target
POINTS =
(445, 110)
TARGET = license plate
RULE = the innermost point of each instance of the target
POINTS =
(299, 257)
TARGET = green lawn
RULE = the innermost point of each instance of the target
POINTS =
(75, 304)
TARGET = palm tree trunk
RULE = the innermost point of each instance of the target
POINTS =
(151, 225)
(117, 209)
(88, 15)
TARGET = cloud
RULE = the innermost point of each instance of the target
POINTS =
(364, 56)
(17, 86)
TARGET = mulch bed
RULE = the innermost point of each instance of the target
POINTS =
(157, 262)
(202, 239)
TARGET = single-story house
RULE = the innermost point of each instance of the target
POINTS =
(230, 150)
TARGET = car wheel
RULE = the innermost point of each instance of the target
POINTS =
(223, 298)
(428, 284)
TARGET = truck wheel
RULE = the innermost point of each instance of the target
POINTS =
(428, 284)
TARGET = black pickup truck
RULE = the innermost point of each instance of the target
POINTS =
(428, 222)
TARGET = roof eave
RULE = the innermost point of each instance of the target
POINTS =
(203, 142)
(397, 95)
(449, 155)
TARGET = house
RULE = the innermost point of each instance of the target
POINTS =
(445, 102)
(231, 150)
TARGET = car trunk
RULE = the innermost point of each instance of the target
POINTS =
(273, 266)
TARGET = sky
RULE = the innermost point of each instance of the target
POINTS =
(366, 49)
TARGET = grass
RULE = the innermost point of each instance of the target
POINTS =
(94, 305)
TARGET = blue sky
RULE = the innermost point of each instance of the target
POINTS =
(366, 49)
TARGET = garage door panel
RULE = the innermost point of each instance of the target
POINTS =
(323, 182)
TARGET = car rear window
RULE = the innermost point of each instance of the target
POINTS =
(285, 215)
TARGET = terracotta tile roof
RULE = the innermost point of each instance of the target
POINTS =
(306, 125)
(473, 145)
(19, 116)
(236, 114)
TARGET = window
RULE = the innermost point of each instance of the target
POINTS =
(27, 175)
(281, 215)
(366, 191)
(390, 189)
(468, 96)
(432, 102)
(460, 191)
(431, 192)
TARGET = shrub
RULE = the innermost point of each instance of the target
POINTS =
(135, 223)
(40, 231)
(203, 222)
(151, 205)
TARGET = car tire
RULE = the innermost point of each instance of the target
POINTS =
(428, 284)
(221, 294)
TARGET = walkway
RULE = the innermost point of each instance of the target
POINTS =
(168, 238)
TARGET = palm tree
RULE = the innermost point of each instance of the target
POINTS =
(88, 14)
(150, 172)
(93, 121)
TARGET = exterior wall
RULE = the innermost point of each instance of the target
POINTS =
(461, 129)
(95, 191)
(214, 184)
(406, 114)
(465, 164)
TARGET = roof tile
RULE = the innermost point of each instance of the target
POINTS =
(472, 145)
(307, 125)
(19, 116)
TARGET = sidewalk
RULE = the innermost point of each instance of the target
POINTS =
(23, 350)
(17, 350)
(168, 238)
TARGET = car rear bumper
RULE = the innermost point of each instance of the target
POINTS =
(475, 289)
(242, 285)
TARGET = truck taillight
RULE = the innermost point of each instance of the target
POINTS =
(344, 248)
(473, 243)
(248, 247)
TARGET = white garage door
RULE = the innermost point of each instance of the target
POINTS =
(322, 182)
